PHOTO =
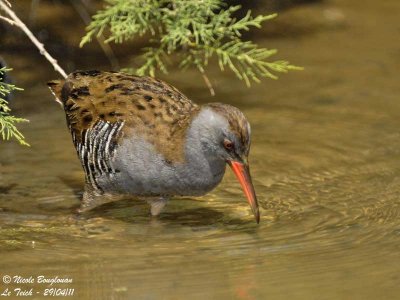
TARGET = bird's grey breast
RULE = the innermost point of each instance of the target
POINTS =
(145, 171)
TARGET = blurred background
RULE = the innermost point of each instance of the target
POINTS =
(325, 161)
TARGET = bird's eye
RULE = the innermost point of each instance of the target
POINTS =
(228, 144)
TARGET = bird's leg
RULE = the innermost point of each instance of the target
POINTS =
(92, 198)
(157, 205)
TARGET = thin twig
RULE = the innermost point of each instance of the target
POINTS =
(108, 51)
(22, 26)
(208, 83)
(11, 22)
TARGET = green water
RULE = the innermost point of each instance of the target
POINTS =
(326, 166)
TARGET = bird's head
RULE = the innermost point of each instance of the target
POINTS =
(225, 134)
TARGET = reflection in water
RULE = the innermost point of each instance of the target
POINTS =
(326, 166)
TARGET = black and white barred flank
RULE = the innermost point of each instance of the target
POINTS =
(96, 150)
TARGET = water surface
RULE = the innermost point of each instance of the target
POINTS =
(326, 166)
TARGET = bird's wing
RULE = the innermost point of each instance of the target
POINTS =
(101, 107)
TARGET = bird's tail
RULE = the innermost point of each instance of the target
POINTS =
(56, 87)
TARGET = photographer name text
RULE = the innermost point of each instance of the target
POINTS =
(49, 286)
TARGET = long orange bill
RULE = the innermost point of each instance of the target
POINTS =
(243, 175)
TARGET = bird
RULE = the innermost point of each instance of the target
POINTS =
(140, 137)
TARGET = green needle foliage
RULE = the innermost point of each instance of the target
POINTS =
(196, 30)
(8, 122)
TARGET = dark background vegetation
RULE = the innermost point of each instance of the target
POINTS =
(60, 26)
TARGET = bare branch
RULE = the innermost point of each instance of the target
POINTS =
(208, 83)
(5, 6)
(11, 22)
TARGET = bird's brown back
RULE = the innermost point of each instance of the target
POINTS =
(148, 107)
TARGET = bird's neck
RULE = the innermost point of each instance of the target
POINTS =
(200, 155)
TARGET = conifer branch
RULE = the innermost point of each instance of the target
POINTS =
(8, 122)
(196, 31)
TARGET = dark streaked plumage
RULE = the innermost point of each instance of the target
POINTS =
(142, 137)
